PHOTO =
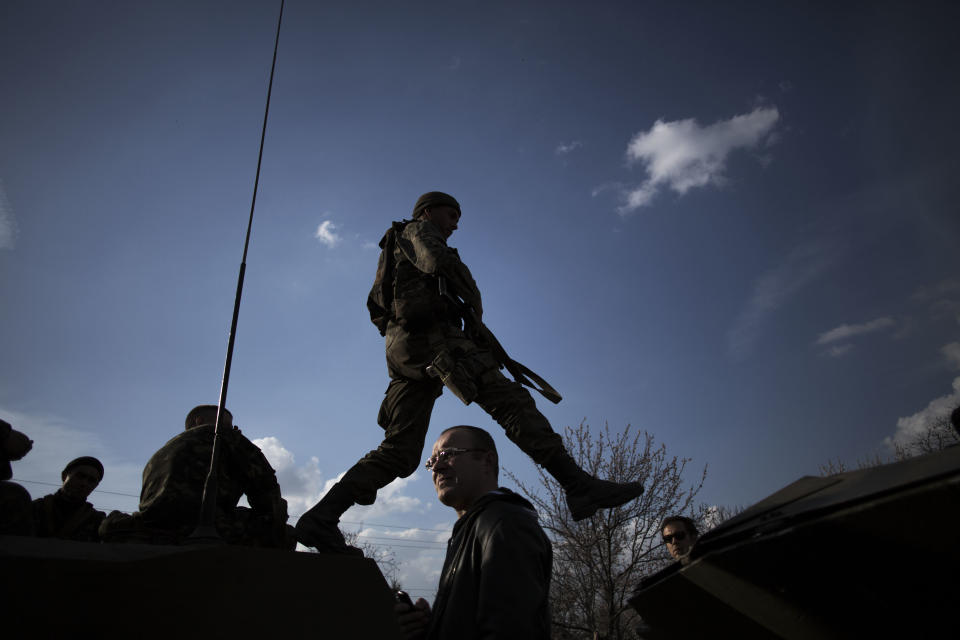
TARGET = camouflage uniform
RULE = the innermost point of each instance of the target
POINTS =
(422, 328)
(58, 516)
(172, 491)
(423, 324)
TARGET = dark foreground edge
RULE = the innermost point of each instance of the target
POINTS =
(873, 552)
(63, 589)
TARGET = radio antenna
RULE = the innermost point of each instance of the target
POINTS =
(206, 530)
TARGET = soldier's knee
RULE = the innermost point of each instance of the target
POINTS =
(408, 470)
(401, 461)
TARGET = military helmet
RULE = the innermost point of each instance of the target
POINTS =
(433, 198)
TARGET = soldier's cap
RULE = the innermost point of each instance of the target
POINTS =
(433, 198)
(88, 461)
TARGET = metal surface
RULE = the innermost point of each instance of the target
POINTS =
(858, 554)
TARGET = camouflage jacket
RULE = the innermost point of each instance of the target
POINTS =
(421, 317)
(174, 477)
(57, 516)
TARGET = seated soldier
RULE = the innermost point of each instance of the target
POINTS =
(66, 514)
(16, 512)
(173, 482)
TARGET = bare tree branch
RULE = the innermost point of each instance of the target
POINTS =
(385, 558)
(598, 562)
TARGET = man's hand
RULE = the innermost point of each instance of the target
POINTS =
(413, 620)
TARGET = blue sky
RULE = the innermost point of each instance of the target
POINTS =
(733, 225)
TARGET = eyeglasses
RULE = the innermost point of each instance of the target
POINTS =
(446, 455)
(678, 536)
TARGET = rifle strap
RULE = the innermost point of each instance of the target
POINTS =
(520, 372)
(523, 375)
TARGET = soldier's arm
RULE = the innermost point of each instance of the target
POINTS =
(462, 282)
(424, 246)
(430, 254)
(261, 486)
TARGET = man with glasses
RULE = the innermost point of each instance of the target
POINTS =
(496, 576)
(428, 349)
(679, 534)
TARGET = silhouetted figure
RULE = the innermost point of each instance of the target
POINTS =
(16, 512)
(66, 514)
(427, 349)
(955, 419)
(496, 576)
(173, 483)
(679, 533)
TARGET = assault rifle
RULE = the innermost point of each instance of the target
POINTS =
(485, 338)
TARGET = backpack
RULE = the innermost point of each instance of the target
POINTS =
(380, 300)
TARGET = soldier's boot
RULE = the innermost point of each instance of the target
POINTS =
(318, 528)
(586, 494)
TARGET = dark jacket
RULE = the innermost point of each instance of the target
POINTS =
(496, 576)
(57, 516)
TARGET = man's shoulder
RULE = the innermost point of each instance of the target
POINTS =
(504, 505)
(188, 437)
(421, 228)
(44, 499)
(178, 451)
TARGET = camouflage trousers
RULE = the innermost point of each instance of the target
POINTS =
(237, 526)
(405, 418)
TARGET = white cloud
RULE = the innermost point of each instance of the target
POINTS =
(942, 298)
(639, 196)
(303, 485)
(911, 427)
(391, 500)
(563, 149)
(772, 290)
(8, 223)
(275, 453)
(418, 551)
(605, 187)
(945, 308)
(845, 331)
(838, 350)
(327, 234)
(683, 155)
(940, 289)
(952, 353)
